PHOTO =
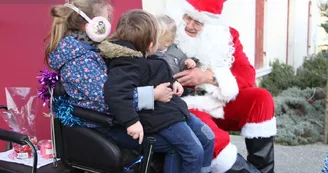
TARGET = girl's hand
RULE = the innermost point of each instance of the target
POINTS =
(163, 92)
(177, 88)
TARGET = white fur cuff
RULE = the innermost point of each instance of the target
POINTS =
(225, 160)
(264, 129)
(206, 103)
(228, 87)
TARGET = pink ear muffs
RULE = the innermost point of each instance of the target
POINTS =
(97, 29)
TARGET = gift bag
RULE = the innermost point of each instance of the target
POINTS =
(20, 117)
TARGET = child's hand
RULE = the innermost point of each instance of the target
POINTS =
(163, 92)
(177, 88)
(189, 63)
(136, 131)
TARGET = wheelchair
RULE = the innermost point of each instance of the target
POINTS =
(83, 149)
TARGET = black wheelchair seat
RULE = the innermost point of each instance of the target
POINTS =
(86, 149)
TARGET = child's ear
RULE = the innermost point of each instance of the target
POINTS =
(168, 43)
(150, 47)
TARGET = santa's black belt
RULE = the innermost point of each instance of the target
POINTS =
(199, 92)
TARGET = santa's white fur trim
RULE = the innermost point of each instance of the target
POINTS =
(206, 103)
(228, 87)
(225, 160)
(182, 7)
(217, 113)
(264, 129)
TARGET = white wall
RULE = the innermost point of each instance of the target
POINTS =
(300, 30)
(315, 28)
(276, 29)
(240, 14)
(154, 6)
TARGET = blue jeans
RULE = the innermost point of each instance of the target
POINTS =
(194, 141)
(122, 139)
(206, 138)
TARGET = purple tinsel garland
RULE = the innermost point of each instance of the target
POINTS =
(46, 79)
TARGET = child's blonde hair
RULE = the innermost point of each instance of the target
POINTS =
(138, 27)
(66, 20)
(167, 27)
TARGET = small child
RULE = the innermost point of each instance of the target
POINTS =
(167, 50)
(132, 65)
(179, 62)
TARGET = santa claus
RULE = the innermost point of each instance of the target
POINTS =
(228, 78)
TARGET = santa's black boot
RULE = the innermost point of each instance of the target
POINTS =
(261, 153)
(242, 166)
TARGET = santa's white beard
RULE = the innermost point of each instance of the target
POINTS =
(212, 46)
(187, 44)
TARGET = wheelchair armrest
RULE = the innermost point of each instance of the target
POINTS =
(85, 114)
(22, 140)
(13, 137)
(92, 116)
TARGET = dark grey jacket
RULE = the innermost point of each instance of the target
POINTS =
(174, 57)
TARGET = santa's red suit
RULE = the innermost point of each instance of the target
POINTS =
(234, 104)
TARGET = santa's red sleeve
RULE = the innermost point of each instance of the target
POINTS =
(231, 80)
(243, 71)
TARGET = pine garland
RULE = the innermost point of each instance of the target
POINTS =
(300, 116)
(313, 73)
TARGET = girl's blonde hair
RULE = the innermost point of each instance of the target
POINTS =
(66, 20)
(167, 27)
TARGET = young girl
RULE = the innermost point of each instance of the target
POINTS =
(167, 50)
(73, 54)
(131, 66)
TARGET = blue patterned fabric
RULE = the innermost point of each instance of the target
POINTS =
(83, 74)
(135, 99)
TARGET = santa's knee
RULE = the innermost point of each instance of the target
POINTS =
(260, 121)
(225, 159)
(262, 107)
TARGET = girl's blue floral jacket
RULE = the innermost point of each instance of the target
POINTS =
(83, 74)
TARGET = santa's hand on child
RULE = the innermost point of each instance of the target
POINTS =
(195, 76)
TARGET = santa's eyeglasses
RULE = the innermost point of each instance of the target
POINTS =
(196, 24)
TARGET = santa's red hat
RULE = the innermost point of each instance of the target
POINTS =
(205, 11)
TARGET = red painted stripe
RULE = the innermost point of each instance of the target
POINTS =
(259, 34)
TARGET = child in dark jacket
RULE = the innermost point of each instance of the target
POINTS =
(130, 65)
(82, 70)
